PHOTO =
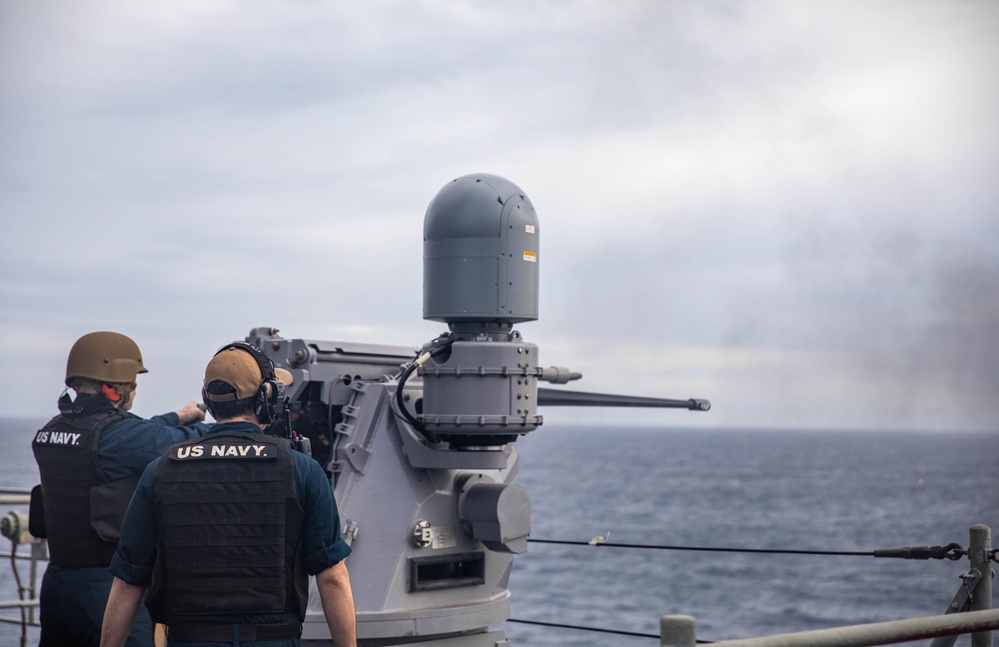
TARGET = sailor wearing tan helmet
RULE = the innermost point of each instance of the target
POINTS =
(90, 457)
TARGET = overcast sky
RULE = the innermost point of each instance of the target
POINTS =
(787, 208)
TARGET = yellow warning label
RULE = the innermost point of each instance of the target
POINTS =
(530, 257)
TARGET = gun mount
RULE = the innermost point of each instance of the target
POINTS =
(418, 443)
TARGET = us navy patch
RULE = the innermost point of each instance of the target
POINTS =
(57, 438)
(234, 450)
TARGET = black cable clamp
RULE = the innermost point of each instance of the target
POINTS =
(951, 551)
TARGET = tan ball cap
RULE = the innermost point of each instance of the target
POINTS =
(239, 369)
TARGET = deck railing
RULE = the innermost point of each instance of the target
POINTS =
(979, 619)
(678, 631)
(14, 526)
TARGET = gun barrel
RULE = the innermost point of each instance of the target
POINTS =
(561, 398)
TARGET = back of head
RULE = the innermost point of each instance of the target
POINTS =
(106, 357)
(242, 383)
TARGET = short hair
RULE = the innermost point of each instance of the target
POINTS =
(229, 408)
(83, 383)
(87, 384)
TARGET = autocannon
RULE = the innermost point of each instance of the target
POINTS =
(419, 442)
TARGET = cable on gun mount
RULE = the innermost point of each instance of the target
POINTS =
(443, 344)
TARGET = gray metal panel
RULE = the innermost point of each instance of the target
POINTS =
(461, 288)
(351, 352)
(520, 291)
(457, 247)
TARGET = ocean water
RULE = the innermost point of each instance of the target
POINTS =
(824, 491)
(757, 489)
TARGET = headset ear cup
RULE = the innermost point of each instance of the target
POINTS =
(261, 405)
(269, 402)
(110, 392)
(279, 400)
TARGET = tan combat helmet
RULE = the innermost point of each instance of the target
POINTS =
(106, 357)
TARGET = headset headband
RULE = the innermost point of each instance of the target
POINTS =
(265, 364)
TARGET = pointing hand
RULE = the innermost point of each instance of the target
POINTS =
(190, 413)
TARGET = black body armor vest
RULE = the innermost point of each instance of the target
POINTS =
(66, 452)
(229, 529)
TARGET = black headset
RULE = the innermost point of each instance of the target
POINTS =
(268, 403)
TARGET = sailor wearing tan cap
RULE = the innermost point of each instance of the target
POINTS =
(226, 529)
(89, 458)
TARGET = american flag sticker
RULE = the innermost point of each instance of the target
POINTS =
(528, 229)
(531, 257)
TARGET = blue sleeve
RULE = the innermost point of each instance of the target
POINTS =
(126, 447)
(135, 557)
(322, 541)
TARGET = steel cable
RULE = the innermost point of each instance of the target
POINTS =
(951, 551)
(703, 548)
(594, 629)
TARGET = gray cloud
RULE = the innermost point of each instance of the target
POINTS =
(786, 208)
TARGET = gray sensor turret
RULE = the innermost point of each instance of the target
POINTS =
(480, 276)
(480, 253)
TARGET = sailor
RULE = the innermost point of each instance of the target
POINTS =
(90, 457)
(226, 529)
